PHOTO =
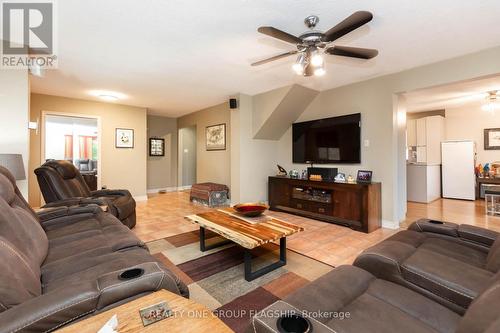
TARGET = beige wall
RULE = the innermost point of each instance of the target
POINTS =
(14, 114)
(120, 168)
(468, 123)
(162, 170)
(383, 124)
(211, 166)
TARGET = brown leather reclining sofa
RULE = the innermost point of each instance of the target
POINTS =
(61, 183)
(65, 263)
(434, 277)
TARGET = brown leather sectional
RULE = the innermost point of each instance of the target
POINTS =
(65, 263)
(61, 182)
(433, 277)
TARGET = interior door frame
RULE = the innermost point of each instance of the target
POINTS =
(73, 115)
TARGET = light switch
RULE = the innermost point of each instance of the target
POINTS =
(367, 143)
(186, 151)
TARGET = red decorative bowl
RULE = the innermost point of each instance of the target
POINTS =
(250, 209)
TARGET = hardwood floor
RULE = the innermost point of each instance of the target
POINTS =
(163, 216)
(457, 211)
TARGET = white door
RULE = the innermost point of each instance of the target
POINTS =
(458, 170)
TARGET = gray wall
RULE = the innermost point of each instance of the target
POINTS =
(162, 171)
(187, 156)
(211, 166)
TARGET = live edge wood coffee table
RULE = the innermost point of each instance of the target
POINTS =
(241, 231)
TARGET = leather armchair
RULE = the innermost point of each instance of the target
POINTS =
(61, 181)
(66, 263)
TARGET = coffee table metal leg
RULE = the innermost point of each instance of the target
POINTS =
(204, 247)
(249, 275)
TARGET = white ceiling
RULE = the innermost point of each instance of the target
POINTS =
(175, 57)
(452, 95)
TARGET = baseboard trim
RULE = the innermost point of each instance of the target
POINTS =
(390, 224)
(168, 189)
(141, 198)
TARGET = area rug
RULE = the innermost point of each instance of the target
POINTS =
(216, 278)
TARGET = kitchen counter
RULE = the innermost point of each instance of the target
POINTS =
(423, 182)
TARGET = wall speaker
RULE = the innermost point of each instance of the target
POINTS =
(233, 103)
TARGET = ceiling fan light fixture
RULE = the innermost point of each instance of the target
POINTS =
(320, 71)
(316, 58)
(492, 102)
(300, 64)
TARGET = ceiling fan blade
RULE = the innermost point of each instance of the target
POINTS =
(353, 52)
(276, 57)
(351, 23)
(276, 33)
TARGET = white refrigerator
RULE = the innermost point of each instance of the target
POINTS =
(458, 162)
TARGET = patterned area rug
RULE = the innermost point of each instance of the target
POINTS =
(216, 277)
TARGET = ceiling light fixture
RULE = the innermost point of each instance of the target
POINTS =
(300, 64)
(316, 58)
(309, 62)
(108, 96)
(492, 101)
(319, 71)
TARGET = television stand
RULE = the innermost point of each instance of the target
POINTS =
(357, 206)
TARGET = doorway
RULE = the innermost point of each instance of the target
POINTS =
(75, 139)
(187, 157)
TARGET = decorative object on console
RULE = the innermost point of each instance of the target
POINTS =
(294, 173)
(281, 171)
(350, 179)
(156, 147)
(364, 176)
(340, 178)
(327, 174)
(124, 138)
(492, 139)
(317, 178)
(215, 137)
(495, 167)
(13, 163)
(251, 209)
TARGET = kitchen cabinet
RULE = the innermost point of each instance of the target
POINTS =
(423, 182)
(429, 133)
(411, 133)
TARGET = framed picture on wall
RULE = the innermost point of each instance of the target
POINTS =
(492, 139)
(216, 137)
(156, 147)
(124, 138)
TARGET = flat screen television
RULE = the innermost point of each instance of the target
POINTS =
(330, 140)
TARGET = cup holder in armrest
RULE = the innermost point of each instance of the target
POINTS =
(293, 323)
(130, 274)
(435, 222)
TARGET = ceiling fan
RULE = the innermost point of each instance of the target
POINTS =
(312, 43)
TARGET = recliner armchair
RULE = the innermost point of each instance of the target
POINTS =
(66, 263)
(62, 184)
(447, 262)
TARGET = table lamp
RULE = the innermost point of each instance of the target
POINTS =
(13, 163)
